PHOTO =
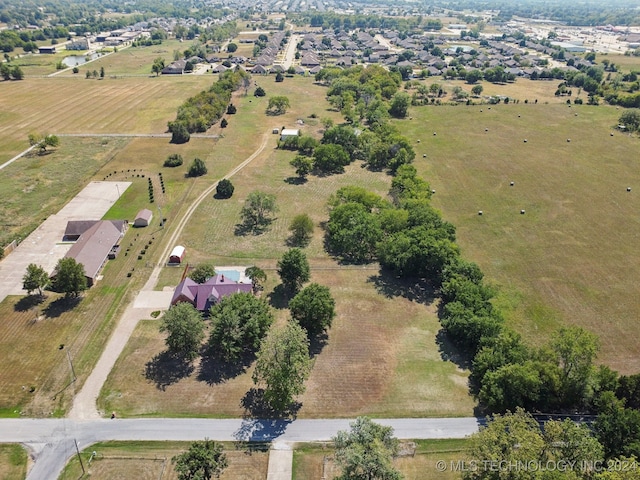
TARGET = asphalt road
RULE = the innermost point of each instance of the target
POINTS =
(52, 441)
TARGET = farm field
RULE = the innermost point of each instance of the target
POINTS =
(152, 460)
(571, 259)
(312, 461)
(76, 105)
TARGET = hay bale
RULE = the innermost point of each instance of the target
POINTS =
(611, 134)
(512, 183)
(628, 189)
(568, 140)
(525, 140)
(434, 134)
(424, 155)
(521, 212)
(433, 191)
(480, 212)
(486, 129)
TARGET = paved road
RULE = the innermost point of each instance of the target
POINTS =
(51, 441)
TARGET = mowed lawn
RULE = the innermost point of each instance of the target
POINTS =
(572, 258)
(73, 105)
(152, 460)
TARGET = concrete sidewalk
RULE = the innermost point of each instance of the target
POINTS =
(280, 462)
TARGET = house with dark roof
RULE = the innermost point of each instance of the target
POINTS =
(204, 295)
(96, 245)
(75, 228)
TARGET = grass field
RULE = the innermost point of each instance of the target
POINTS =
(314, 462)
(152, 461)
(571, 259)
(139, 105)
(13, 462)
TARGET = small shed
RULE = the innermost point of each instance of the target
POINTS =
(143, 218)
(289, 133)
(177, 255)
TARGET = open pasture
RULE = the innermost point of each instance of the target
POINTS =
(152, 460)
(572, 257)
(79, 106)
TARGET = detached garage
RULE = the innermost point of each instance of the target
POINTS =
(143, 218)
(177, 255)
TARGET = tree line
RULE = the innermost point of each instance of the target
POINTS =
(201, 111)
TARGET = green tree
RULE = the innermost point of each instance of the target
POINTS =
(366, 452)
(197, 168)
(283, 365)
(279, 77)
(173, 160)
(42, 142)
(35, 278)
(303, 165)
(158, 66)
(301, 229)
(203, 461)
(517, 439)
(69, 277)
(278, 105)
(473, 76)
(630, 119)
(293, 269)
(477, 90)
(17, 73)
(400, 105)
(330, 158)
(179, 132)
(224, 189)
(232, 47)
(5, 71)
(223, 123)
(257, 276)
(238, 324)
(314, 309)
(353, 232)
(259, 92)
(575, 350)
(202, 272)
(618, 428)
(185, 328)
(257, 210)
(101, 72)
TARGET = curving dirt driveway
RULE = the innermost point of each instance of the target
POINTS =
(84, 403)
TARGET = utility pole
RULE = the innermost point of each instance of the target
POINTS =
(79, 457)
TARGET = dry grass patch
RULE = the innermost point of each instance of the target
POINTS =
(312, 461)
(26, 185)
(123, 105)
(571, 258)
(152, 460)
(368, 366)
(13, 462)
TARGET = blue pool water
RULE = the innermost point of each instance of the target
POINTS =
(231, 274)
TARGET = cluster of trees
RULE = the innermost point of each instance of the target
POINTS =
(26, 39)
(631, 120)
(381, 147)
(198, 113)
(8, 72)
(43, 141)
(359, 93)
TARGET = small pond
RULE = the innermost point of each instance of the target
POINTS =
(74, 60)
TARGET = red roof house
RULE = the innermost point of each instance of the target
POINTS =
(204, 295)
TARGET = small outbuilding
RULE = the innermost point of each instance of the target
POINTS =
(177, 255)
(143, 218)
(289, 133)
